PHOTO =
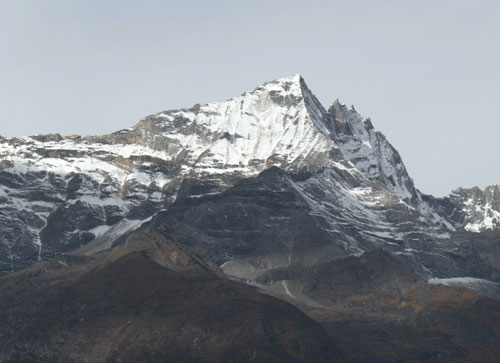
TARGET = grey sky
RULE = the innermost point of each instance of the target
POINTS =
(426, 72)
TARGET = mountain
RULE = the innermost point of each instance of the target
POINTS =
(129, 306)
(153, 297)
(59, 194)
(270, 191)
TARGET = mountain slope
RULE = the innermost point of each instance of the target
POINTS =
(133, 309)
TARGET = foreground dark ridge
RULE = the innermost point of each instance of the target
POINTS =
(134, 310)
(155, 297)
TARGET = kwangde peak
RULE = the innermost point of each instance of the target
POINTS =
(267, 193)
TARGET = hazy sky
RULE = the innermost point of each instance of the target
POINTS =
(426, 72)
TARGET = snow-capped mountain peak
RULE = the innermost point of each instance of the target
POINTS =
(277, 124)
(60, 193)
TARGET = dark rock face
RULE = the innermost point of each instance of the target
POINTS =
(260, 222)
(374, 270)
(267, 222)
(428, 324)
(136, 310)
(46, 213)
(154, 298)
(472, 209)
(380, 310)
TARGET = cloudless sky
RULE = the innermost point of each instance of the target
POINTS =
(426, 72)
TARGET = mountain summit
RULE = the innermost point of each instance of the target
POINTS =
(191, 214)
(277, 124)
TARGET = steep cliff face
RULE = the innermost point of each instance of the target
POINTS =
(480, 208)
(370, 151)
(470, 209)
(56, 196)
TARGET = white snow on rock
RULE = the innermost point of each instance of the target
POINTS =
(277, 124)
(489, 218)
(370, 151)
(480, 208)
